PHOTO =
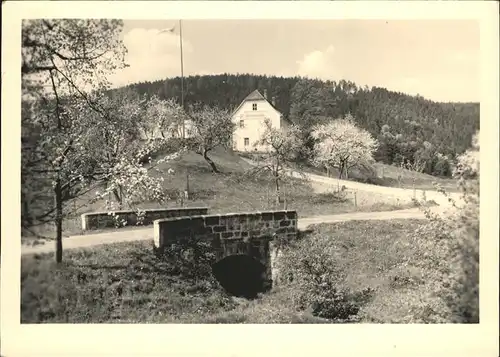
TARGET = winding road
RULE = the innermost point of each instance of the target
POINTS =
(323, 183)
(319, 183)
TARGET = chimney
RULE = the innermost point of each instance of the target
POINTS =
(265, 94)
(273, 101)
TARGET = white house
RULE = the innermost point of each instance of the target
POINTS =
(249, 118)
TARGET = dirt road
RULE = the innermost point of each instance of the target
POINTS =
(322, 183)
(89, 240)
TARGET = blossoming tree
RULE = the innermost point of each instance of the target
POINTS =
(341, 144)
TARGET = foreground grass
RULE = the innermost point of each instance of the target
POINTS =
(117, 282)
(126, 282)
(381, 255)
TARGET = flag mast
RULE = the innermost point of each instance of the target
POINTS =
(182, 72)
(186, 192)
(182, 81)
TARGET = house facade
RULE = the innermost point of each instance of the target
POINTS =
(249, 118)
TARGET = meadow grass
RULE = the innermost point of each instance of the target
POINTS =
(127, 282)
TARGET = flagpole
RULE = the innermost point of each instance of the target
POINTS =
(182, 80)
(186, 192)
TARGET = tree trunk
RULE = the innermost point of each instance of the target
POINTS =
(58, 220)
(277, 184)
(186, 192)
(118, 198)
(285, 205)
(25, 214)
(58, 189)
(210, 162)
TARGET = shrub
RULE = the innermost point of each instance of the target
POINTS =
(453, 240)
(193, 259)
(329, 197)
(309, 269)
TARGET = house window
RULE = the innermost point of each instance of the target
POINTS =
(242, 123)
(247, 141)
(254, 106)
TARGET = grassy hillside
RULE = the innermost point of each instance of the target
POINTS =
(393, 176)
(133, 285)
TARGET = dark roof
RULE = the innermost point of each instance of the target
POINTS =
(255, 95)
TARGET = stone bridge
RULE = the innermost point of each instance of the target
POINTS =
(245, 244)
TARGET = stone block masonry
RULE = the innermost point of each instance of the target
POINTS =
(251, 234)
(102, 220)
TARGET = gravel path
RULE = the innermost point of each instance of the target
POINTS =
(323, 183)
(89, 240)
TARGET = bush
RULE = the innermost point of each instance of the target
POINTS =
(329, 197)
(454, 241)
(309, 269)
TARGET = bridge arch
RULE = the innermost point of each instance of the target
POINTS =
(241, 275)
(242, 243)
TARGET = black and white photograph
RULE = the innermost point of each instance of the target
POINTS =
(179, 170)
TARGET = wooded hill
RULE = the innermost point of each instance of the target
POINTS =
(409, 128)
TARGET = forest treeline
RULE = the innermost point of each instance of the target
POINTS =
(409, 129)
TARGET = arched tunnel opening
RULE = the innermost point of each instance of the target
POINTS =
(241, 275)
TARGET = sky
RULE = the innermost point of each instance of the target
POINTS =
(438, 59)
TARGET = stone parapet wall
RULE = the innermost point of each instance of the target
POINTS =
(227, 227)
(102, 220)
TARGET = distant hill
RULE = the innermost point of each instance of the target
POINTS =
(407, 127)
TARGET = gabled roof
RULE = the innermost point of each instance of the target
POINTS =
(255, 95)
